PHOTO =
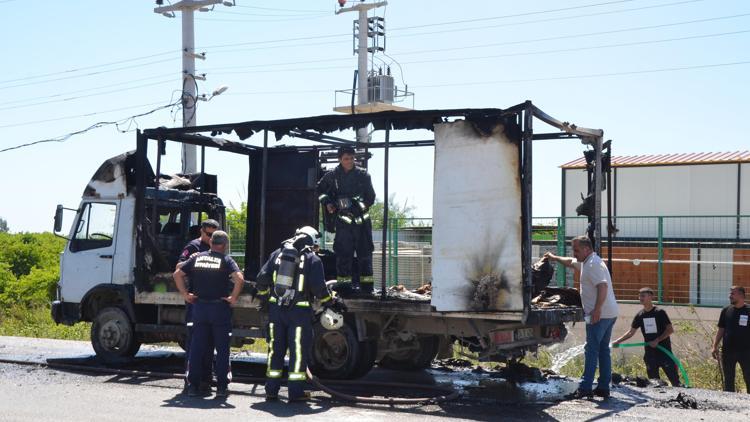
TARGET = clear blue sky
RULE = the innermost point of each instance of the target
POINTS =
(597, 63)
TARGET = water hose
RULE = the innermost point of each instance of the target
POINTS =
(666, 352)
(447, 394)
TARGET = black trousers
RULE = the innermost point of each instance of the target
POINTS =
(729, 360)
(289, 328)
(352, 238)
(654, 361)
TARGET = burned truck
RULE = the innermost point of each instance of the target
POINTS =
(132, 221)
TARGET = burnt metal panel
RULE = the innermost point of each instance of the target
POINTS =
(290, 200)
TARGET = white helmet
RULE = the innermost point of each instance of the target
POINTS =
(310, 232)
(331, 320)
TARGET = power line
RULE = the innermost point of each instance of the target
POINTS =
(78, 69)
(281, 10)
(85, 74)
(267, 67)
(116, 123)
(596, 47)
(170, 80)
(76, 116)
(277, 15)
(263, 20)
(510, 24)
(515, 15)
(590, 75)
(554, 78)
(427, 33)
(88, 89)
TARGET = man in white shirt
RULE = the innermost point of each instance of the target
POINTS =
(600, 310)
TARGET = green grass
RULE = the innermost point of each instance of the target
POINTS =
(36, 321)
(703, 373)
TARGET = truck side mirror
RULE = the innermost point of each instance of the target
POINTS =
(58, 218)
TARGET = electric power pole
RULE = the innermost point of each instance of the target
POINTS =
(362, 42)
(189, 79)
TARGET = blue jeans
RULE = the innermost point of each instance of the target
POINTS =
(597, 352)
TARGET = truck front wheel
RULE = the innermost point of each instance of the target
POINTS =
(113, 336)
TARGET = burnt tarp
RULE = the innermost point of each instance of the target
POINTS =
(482, 119)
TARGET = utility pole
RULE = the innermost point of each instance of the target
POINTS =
(362, 41)
(189, 79)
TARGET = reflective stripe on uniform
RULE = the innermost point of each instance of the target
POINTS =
(366, 279)
(325, 299)
(322, 197)
(304, 304)
(345, 219)
(366, 216)
(297, 376)
(264, 292)
(271, 373)
(272, 299)
(358, 220)
(297, 350)
(343, 279)
(301, 279)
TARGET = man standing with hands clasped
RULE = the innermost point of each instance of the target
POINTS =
(734, 332)
(600, 309)
(656, 329)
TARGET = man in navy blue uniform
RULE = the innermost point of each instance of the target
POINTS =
(347, 193)
(289, 280)
(200, 244)
(656, 328)
(734, 334)
(212, 312)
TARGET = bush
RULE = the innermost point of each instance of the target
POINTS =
(29, 268)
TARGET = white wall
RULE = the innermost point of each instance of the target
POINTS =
(745, 201)
(684, 190)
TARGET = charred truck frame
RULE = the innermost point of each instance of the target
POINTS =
(141, 305)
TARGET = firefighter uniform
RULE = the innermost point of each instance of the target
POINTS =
(352, 194)
(290, 315)
(211, 314)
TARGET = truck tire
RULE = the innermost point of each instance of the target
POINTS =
(414, 359)
(113, 336)
(335, 353)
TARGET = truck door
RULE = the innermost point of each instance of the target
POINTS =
(87, 260)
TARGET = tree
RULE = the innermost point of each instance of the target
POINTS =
(237, 221)
(396, 211)
(3, 225)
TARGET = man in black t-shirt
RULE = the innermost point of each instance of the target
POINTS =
(734, 332)
(656, 328)
(212, 312)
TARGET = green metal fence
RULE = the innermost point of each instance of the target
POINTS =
(685, 259)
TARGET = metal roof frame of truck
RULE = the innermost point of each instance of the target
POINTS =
(518, 119)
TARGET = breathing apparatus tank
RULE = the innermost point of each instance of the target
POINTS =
(288, 261)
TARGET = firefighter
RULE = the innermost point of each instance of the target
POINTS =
(288, 281)
(195, 246)
(347, 193)
(212, 309)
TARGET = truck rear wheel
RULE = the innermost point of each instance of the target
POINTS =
(418, 357)
(113, 335)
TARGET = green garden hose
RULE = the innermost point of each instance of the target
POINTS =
(666, 352)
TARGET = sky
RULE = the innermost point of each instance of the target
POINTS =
(658, 76)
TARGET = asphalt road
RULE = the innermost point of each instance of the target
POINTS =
(35, 393)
